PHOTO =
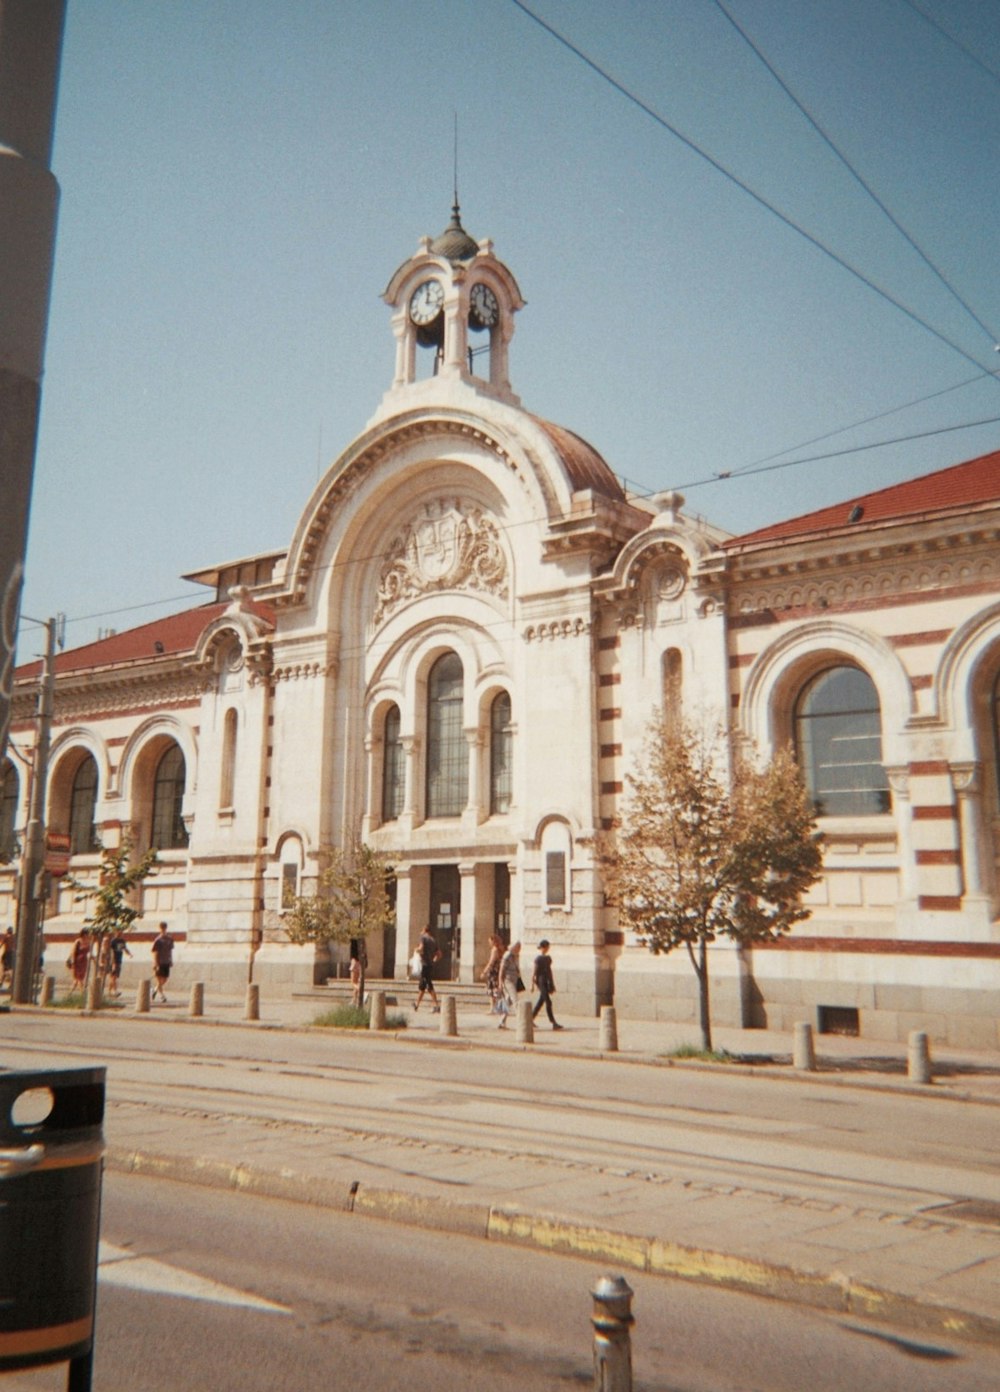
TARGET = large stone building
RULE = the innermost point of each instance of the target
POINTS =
(457, 657)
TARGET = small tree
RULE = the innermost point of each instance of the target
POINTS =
(694, 856)
(114, 896)
(352, 902)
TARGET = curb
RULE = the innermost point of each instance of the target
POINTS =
(827, 1076)
(833, 1291)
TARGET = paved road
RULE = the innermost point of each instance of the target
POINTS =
(847, 1196)
(209, 1290)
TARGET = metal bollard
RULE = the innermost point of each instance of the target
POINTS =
(142, 997)
(803, 1054)
(48, 990)
(612, 1320)
(253, 1001)
(376, 1010)
(449, 1018)
(197, 1006)
(918, 1058)
(609, 1030)
(525, 1023)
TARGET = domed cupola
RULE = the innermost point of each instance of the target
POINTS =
(454, 242)
(453, 309)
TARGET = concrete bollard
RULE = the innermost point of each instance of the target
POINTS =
(449, 1017)
(803, 1053)
(609, 1030)
(918, 1058)
(253, 1001)
(48, 990)
(612, 1320)
(142, 997)
(525, 1024)
(376, 1010)
(197, 1006)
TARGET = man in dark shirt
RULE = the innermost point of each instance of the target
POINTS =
(429, 954)
(541, 980)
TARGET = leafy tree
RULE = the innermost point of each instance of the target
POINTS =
(114, 896)
(697, 855)
(352, 901)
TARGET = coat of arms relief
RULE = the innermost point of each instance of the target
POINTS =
(449, 546)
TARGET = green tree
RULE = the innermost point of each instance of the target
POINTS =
(114, 897)
(352, 901)
(697, 854)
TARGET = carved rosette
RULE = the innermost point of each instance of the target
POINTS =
(450, 546)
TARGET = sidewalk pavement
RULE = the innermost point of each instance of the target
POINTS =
(934, 1270)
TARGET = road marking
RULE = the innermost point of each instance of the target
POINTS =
(117, 1266)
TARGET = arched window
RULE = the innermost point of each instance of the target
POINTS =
(169, 831)
(447, 750)
(393, 767)
(228, 780)
(9, 789)
(838, 741)
(501, 750)
(82, 805)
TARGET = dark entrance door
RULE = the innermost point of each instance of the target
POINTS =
(446, 898)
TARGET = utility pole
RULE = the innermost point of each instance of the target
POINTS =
(32, 887)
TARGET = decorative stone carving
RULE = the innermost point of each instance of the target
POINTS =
(450, 546)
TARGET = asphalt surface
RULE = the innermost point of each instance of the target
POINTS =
(922, 1265)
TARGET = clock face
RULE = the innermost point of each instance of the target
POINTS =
(485, 310)
(426, 302)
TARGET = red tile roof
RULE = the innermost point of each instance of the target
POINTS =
(177, 633)
(973, 484)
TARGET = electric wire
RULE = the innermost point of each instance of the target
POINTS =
(746, 188)
(860, 180)
(973, 57)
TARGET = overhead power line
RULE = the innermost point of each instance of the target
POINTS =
(859, 179)
(744, 187)
(973, 57)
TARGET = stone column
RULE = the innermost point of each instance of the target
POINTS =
(899, 781)
(467, 918)
(976, 866)
(411, 814)
(471, 816)
(404, 885)
(373, 803)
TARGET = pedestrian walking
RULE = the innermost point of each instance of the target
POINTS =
(429, 954)
(163, 960)
(359, 961)
(491, 972)
(117, 951)
(510, 982)
(79, 958)
(7, 960)
(542, 982)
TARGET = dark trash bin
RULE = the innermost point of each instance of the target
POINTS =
(50, 1210)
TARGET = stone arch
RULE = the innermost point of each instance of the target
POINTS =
(779, 672)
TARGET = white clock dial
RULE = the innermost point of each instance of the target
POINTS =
(483, 303)
(426, 302)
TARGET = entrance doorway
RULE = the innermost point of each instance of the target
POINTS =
(446, 901)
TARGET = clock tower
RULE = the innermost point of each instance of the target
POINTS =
(453, 309)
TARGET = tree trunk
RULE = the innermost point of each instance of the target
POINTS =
(703, 1005)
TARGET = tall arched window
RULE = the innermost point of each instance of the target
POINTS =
(228, 781)
(393, 767)
(447, 750)
(82, 805)
(501, 750)
(838, 741)
(10, 787)
(169, 831)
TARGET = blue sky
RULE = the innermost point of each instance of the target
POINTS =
(240, 179)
